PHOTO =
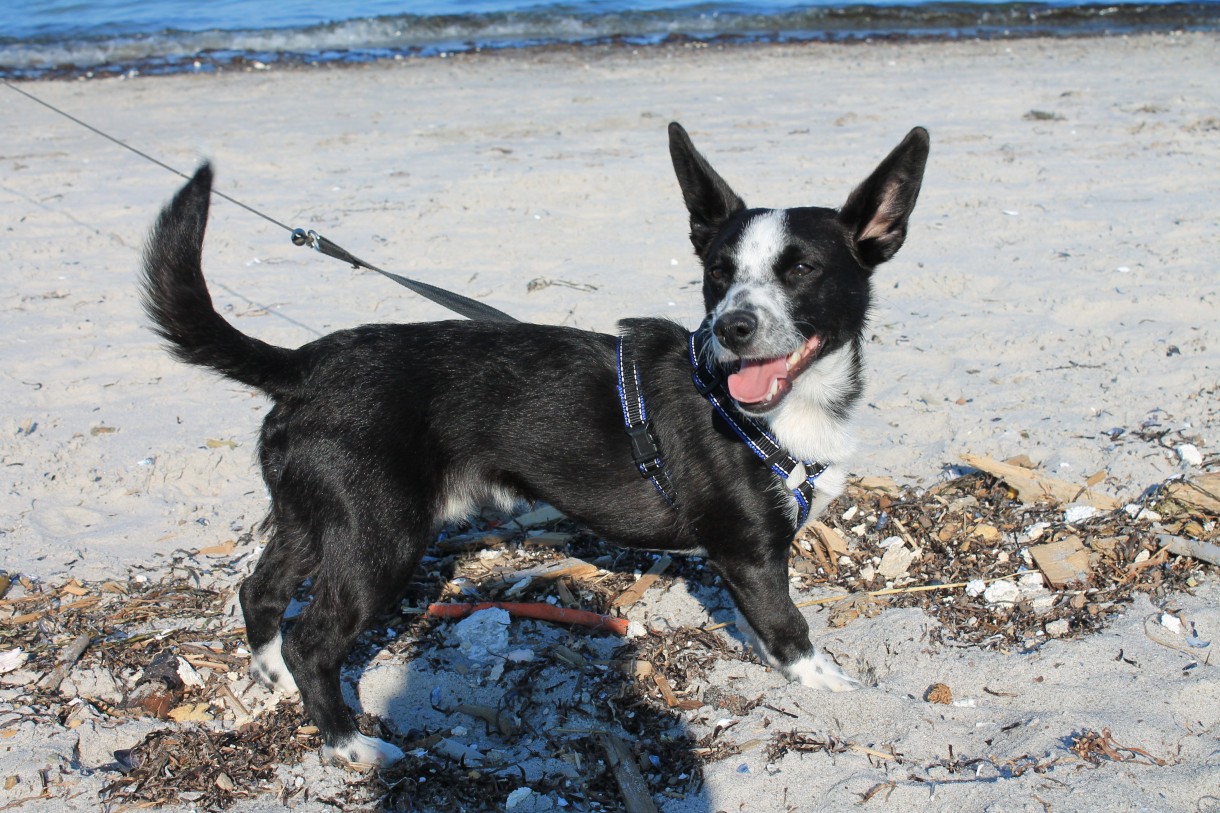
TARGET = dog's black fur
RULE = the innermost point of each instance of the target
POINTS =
(381, 433)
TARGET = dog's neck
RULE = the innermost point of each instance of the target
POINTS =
(813, 422)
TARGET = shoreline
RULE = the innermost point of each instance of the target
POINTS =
(216, 61)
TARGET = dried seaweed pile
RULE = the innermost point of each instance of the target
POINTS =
(214, 767)
(895, 547)
(125, 626)
(171, 649)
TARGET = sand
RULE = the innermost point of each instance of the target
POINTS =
(1058, 286)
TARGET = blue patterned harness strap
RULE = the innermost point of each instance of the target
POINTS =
(644, 449)
(711, 386)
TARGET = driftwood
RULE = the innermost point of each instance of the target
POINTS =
(633, 593)
(631, 784)
(1062, 562)
(1033, 487)
(1201, 492)
(1194, 548)
(71, 654)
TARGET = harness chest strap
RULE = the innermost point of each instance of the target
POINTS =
(644, 449)
(799, 477)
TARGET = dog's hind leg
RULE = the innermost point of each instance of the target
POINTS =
(758, 580)
(285, 563)
(349, 596)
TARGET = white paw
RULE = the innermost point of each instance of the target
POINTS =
(268, 667)
(818, 671)
(362, 752)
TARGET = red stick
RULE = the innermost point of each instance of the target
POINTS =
(537, 610)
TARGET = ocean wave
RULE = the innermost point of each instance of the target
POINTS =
(418, 35)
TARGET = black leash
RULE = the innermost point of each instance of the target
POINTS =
(470, 308)
(457, 303)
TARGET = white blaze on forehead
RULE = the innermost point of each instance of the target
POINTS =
(762, 240)
(756, 288)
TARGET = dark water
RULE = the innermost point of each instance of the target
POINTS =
(62, 37)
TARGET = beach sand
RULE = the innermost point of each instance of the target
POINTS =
(1058, 285)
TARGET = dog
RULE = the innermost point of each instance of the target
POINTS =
(380, 434)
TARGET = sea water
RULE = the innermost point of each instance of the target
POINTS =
(105, 37)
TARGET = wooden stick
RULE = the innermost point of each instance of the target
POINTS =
(667, 691)
(570, 568)
(238, 706)
(1194, 548)
(861, 749)
(71, 654)
(631, 784)
(633, 593)
(920, 588)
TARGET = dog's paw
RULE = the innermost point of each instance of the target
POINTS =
(268, 667)
(818, 671)
(360, 751)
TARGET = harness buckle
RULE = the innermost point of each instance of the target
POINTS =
(644, 449)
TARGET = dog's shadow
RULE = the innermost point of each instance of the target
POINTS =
(554, 721)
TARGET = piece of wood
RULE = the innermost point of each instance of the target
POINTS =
(1201, 492)
(816, 550)
(1062, 562)
(71, 654)
(539, 517)
(548, 539)
(464, 544)
(221, 549)
(633, 593)
(1033, 487)
(1194, 548)
(883, 485)
(238, 706)
(571, 568)
(833, 541)
(666, 690)
(631, 784)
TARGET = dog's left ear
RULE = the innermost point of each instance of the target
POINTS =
(877, 210)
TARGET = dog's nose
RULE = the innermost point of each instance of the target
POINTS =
(735, 329)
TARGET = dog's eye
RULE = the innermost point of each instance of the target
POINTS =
(801, 270)
(716, 272)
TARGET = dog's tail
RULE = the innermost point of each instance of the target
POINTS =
(176, 298)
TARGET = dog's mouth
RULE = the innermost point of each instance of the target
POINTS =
(759, 385)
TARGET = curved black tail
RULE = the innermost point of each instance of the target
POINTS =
(176, 298)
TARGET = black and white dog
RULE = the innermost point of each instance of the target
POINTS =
(380, 434)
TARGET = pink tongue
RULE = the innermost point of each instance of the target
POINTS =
(752, 382)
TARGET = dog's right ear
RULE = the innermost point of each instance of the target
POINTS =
(708, 198)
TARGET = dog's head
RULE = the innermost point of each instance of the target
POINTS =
(784, 288)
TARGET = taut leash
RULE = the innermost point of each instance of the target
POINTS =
(465, 306)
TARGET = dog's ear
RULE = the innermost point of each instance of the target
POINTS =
(877, 211)
(708, 198)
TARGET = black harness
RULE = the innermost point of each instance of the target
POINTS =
(644, 449)
(710, 383)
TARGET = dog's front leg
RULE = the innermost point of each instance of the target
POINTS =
(758, 582)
